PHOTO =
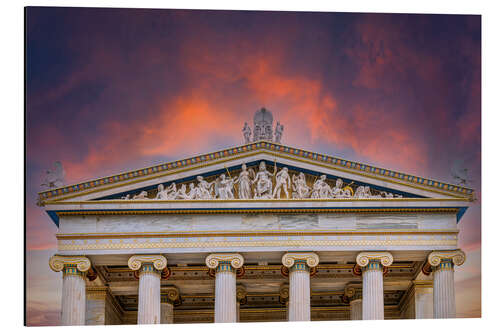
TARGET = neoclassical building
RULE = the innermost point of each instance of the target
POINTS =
(258, 232)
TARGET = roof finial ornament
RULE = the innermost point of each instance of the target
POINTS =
(247, 132)
(263, 128)
(54, 178)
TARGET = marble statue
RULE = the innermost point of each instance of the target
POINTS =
(264, 184)
(247, 132)
(204, 189)
(282, 181)
(263, 125)
(162, 193)
(340, 191)
(278, 132)
(193, 192)
(321, 190)
(299, 186)
(244, 180)
(181, 193)
(224, 187)
(141, 196)
(363, 192)
(54, 178)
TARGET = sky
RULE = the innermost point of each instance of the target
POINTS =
(111, 90)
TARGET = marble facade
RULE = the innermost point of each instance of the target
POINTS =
(161, 260)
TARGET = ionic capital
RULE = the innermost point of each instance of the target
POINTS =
(284, 293)
(290, 258)
(241, 292)
(456, 256)
(57, 263)
(213, 260)
(364, 258)
(159, 262)
(170, 294)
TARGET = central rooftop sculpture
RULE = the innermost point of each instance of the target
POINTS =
(263, 128)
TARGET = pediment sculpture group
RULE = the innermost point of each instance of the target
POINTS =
(259, 185)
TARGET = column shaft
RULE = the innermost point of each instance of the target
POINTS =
(167, 313)
(444, 290)
(225, 294)
(423, 303)
(149, 295)
(299, 306)
(73, 297)
(356, 309)
(373, 292)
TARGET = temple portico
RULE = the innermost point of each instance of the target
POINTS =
(228, 279)
(258, 232)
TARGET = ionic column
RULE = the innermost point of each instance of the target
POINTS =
(353, 297)
(149, 267)
(225, 265)
(356, 306)
(285, 296)
(169, 295)
(299, 264)
(442, 263)
(73, 295)
(372, 264)
(241, 297)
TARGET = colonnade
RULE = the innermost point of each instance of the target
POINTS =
(370, 265)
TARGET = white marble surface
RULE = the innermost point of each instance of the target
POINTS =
(424, 308)
(373, 294)
(356, 306)
(73, 300)
(299, 304)
(252, 222)
(444, 293)
(167, 313)
(149, 298)
(225, 297)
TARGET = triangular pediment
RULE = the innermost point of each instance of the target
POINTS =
(226, 183)
(356, 178)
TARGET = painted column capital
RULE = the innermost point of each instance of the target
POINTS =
(158, 261)
(457, 257)
(364, 258)
(310, 258)
(351, 293)
(236, 260)
(241, 293)
(284, 292)
(170, 294)
(57, 263)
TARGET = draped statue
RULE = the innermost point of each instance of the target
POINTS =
(264, 184)
(245, 180)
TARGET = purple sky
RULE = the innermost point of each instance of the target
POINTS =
(110, 90)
